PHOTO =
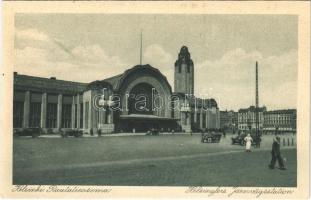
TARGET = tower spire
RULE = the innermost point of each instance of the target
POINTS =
(141, 47)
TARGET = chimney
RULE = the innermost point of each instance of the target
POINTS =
(53, 78)
(15, 73)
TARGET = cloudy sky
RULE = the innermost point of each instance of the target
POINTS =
(224, 48)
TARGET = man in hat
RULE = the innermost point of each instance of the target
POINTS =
(276, 154)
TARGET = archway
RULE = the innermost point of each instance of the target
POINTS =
(141, 99)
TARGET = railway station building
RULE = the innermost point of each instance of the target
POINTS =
(136, 100)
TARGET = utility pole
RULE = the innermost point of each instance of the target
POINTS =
(257, 102)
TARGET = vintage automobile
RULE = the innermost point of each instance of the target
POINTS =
(211, 137)
(240, 139)
(33, 132)
(71, 132)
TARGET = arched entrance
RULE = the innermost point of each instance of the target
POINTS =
(145, 95)
(141, 110)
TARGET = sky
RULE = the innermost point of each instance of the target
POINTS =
(224, 49)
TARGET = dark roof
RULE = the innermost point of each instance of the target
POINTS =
(252, 109)
(51, 85)
(99, 85)
(116, 81)
(284, 111)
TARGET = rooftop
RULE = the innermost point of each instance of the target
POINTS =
(39, 84)
(252, 109)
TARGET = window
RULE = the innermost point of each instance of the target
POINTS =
(76, 116)
(86, 114)
(192, 118)
(18, 112)
(34, 114)
(204, 120)
(51, 115)
(66, 116)
(81, 115)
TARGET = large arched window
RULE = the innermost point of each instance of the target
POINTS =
(140, 100)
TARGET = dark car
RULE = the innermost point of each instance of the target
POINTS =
(33, 132)
(72, 133)
(240, 139)
(211, 137)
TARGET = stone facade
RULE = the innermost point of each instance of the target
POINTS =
(108, 105)
(281, 120)
(247, 118)
(228, 119)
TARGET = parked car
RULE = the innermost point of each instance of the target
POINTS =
(211, 137)
(33, 132)
(72, 133)
(240, 139)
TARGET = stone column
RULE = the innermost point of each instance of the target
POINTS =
(182, 118)
(217, 119)
(73, 112)
(195, 115)
(26, 110)
(59, 110)
(78, 111)
(110, 116)
(43, 110)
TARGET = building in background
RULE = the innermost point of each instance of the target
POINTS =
(282, 120)
(53, 104)
(247, 118)
(228, 120)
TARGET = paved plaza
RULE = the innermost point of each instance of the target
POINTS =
(164, 160)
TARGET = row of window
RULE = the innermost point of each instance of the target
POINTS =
(51, 115)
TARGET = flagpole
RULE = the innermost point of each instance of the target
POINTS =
(141, 47)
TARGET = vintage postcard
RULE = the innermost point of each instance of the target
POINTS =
(155, 99)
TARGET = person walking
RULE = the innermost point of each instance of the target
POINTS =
(248, 141)
(276, 154)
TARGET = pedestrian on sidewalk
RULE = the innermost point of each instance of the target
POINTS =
(276, 154)
(248, 140)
